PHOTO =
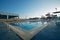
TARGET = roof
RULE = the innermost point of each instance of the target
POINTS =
(6, 13)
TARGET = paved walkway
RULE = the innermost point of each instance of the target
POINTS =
(7, 34)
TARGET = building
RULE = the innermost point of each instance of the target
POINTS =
(4, 16)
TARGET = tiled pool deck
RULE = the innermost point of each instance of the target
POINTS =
(7, 34)
(50, 32)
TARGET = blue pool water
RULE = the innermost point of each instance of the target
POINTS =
(27, 25)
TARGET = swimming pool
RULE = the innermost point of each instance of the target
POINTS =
(27, 25)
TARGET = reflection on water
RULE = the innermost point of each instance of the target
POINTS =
(27, 25)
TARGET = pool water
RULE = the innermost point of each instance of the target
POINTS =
(27, 25)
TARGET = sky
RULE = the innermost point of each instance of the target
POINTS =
(29, 8)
